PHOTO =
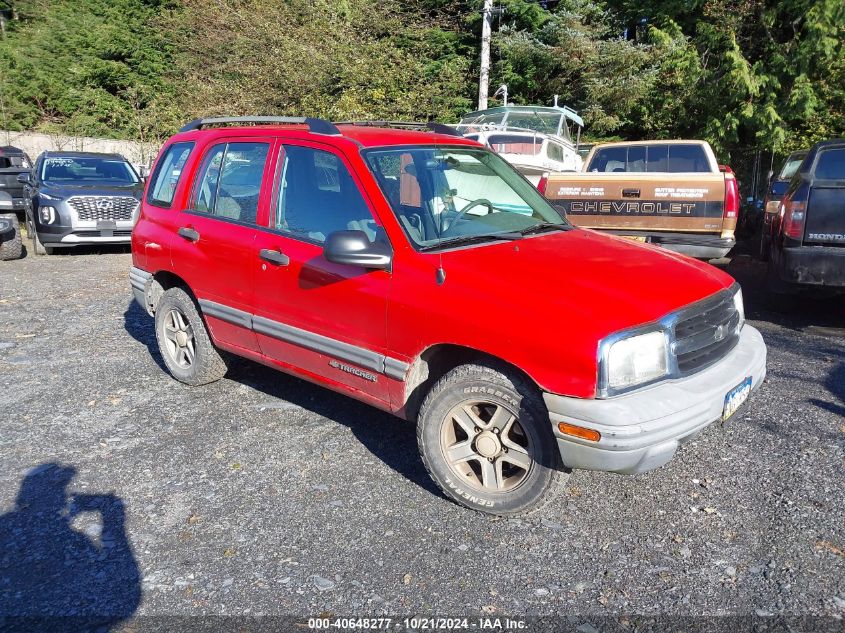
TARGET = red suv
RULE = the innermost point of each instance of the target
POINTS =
(417, 271)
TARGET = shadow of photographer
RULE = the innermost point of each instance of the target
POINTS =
(54, 577)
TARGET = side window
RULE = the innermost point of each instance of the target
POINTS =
(229, 181)
(555, 152)
(830, 164)
(166, 177)
(317, 196)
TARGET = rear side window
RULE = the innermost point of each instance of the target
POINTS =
(229, 181)
(658, 157)
(830, 165)
(166, 176)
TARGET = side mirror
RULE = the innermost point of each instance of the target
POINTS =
(355, 249)
(25, 177)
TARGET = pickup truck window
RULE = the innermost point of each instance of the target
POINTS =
(830, 165)
(463, 192)
(229, 181)
(657, 157)
(317, 196)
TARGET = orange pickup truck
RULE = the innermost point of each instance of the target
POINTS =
(671, 193)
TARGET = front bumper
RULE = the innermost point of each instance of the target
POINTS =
(813, 265)
(642, 430)
(65, 237)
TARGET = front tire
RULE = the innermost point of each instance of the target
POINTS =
(37, 247)
(183, 340)
(486, 440)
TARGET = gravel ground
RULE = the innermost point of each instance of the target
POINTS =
(263, 494)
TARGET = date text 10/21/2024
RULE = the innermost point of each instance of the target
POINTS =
(418, 624)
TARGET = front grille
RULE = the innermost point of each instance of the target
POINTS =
(115, 208)
(706, 333)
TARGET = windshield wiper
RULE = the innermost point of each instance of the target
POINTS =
(471, 239)
(542, 227)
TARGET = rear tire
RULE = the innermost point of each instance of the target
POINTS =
(11, 248)
(485, 438)
(183, 340)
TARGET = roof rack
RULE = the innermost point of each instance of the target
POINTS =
(315, 125)
(438, 128)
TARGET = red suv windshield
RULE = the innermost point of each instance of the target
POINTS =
(441, 193)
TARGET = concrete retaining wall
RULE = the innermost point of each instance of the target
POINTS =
(34, 143)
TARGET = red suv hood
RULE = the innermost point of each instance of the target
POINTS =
(609, 281)
(543, 303)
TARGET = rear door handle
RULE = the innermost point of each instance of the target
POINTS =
(274, 257)
(630, 193)
(189, 234)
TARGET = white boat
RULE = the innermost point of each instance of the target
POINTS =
(534, 139)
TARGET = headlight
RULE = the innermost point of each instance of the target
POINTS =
(637, 359)
(48, 214)
(740, 308)
(47, 196)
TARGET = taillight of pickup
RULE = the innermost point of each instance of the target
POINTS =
(670, 193)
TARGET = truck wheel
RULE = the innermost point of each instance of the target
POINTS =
(486, 440)
(183, 341)
(11, 248)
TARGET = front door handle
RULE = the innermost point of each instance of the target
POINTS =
(189, 234)
(274, 257)
(630, 193)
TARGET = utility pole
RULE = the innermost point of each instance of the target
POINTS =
(484, 73)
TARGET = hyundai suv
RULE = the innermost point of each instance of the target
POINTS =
(420, 273)
(75, 198)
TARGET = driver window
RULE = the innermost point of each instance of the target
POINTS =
(316, 195)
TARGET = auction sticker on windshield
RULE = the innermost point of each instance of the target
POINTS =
(735, 397)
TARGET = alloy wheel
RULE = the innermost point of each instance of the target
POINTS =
(179, 342)
(485, 446)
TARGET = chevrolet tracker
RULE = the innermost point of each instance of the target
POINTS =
(418, 272)
(671, 193)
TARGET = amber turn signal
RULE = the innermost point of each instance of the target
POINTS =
(579, 431)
